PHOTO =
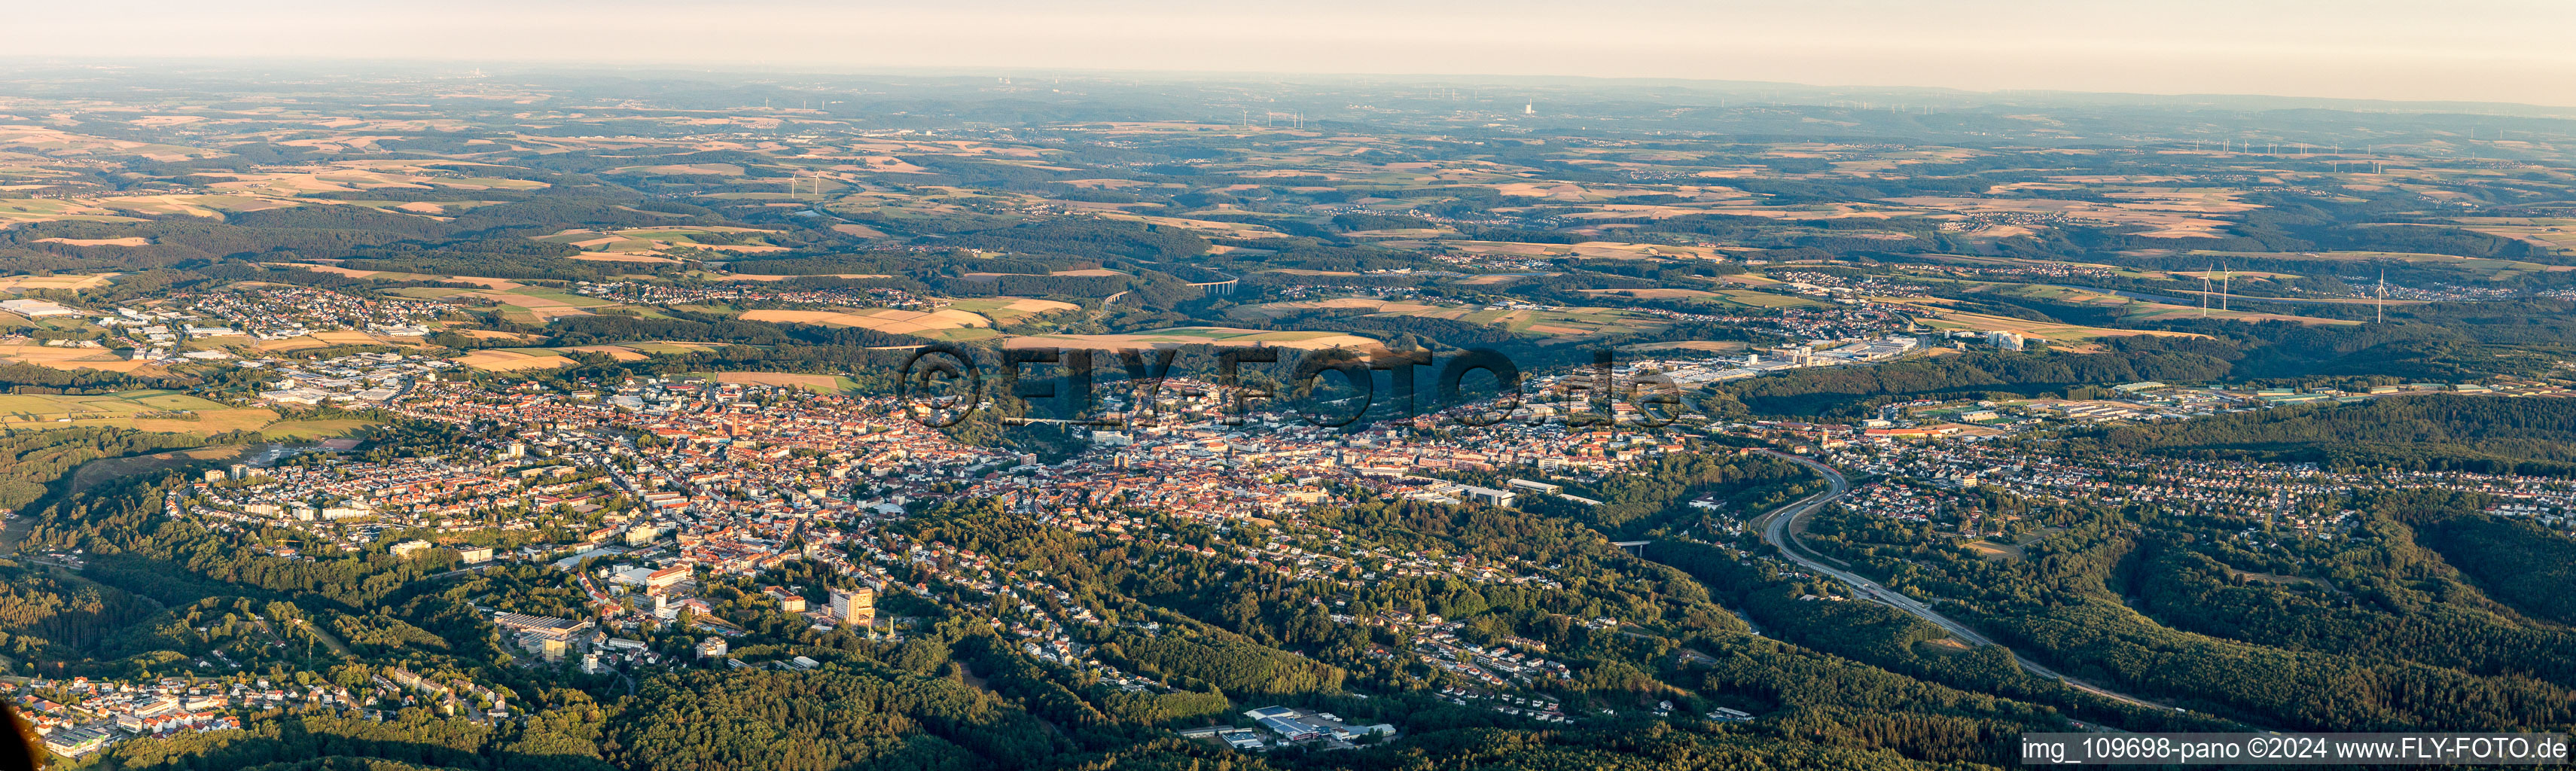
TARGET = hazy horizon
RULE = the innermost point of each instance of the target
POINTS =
(2510, 52)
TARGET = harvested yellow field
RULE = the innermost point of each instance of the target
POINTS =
(1223, 337)
(489, 283)
(1004, 310)
(2167, 214)
(714, 169)
(622, 257)
(882, 320)
(620, 353)
(210, 422)
(1560, 191)
(70, 358)
(1369, 304)
(1034, 305)
(817, 383)
(331, 269)
(509, 361)
(890, 165)
(492, 283)
(126, 241)
(67, 281)
(493, 334)
(1653, 294)
(145, 410)
(1607, 250)
(353, 337)
(529, 301)
(1941, 318)
(289, 344)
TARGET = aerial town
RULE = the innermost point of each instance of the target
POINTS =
(418, 416)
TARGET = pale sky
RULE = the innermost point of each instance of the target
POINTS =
(2505, 51)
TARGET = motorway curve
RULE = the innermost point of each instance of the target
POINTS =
(1777, 527)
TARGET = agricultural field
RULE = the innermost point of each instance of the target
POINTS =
(682, 169)
(159, 410)
(433, 209)
(888, 320)
(1549, 322)
(361, 176)
(1603, 250)
(315, 340)
(494, 334)
(1986, 261)
(962, 320)
(1005, 310)
(2490, 269)
(1934, 315)
(258, 192)
(53, 141)
(26, 210)
(658, 347)
(2556, 234)
(1209, 228)
(1742, 298)
(212, 207)
(502, 284)
(646, 244)
(505, 360)
(1218, 336)
(816, 383)
(520, 303)
(2164, 212)
(70, 358)
(2133, 309)
(18, 284)
(513, 359)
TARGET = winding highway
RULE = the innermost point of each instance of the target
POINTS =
(1778, 528)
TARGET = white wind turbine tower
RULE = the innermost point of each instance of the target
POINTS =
(2380, 313)
(2224, 275)
(2204, 294)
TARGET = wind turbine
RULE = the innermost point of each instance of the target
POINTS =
(2380, 313)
